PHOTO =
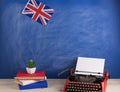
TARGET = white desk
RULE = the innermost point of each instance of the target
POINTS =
(54, 85)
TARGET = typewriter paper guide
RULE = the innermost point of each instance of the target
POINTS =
(90, 66)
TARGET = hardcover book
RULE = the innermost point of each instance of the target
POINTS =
(27, 82)
(23, 75)
(40, 84)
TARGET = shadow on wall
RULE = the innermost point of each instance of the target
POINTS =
(117, 3)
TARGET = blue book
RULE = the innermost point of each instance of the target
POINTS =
(40, 84)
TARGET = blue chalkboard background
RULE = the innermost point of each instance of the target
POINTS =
(87, 28)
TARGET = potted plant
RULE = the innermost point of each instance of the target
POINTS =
(31, 67)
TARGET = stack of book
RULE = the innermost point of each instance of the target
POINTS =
(30, 81)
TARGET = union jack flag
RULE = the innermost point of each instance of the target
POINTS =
(38, 11)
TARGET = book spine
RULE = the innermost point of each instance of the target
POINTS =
(30, 78)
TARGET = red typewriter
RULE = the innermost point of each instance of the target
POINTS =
(88, 76)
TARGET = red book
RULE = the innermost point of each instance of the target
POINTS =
(23, 75)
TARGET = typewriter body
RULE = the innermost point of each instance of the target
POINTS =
(87, 81)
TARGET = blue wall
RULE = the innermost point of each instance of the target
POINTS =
(87, 28)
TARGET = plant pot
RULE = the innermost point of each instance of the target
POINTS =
(30, 70)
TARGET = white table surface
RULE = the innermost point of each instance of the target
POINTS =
(54, 85)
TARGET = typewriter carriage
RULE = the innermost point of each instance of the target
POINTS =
(86, 78)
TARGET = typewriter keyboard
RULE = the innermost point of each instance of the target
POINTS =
(83, 87)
